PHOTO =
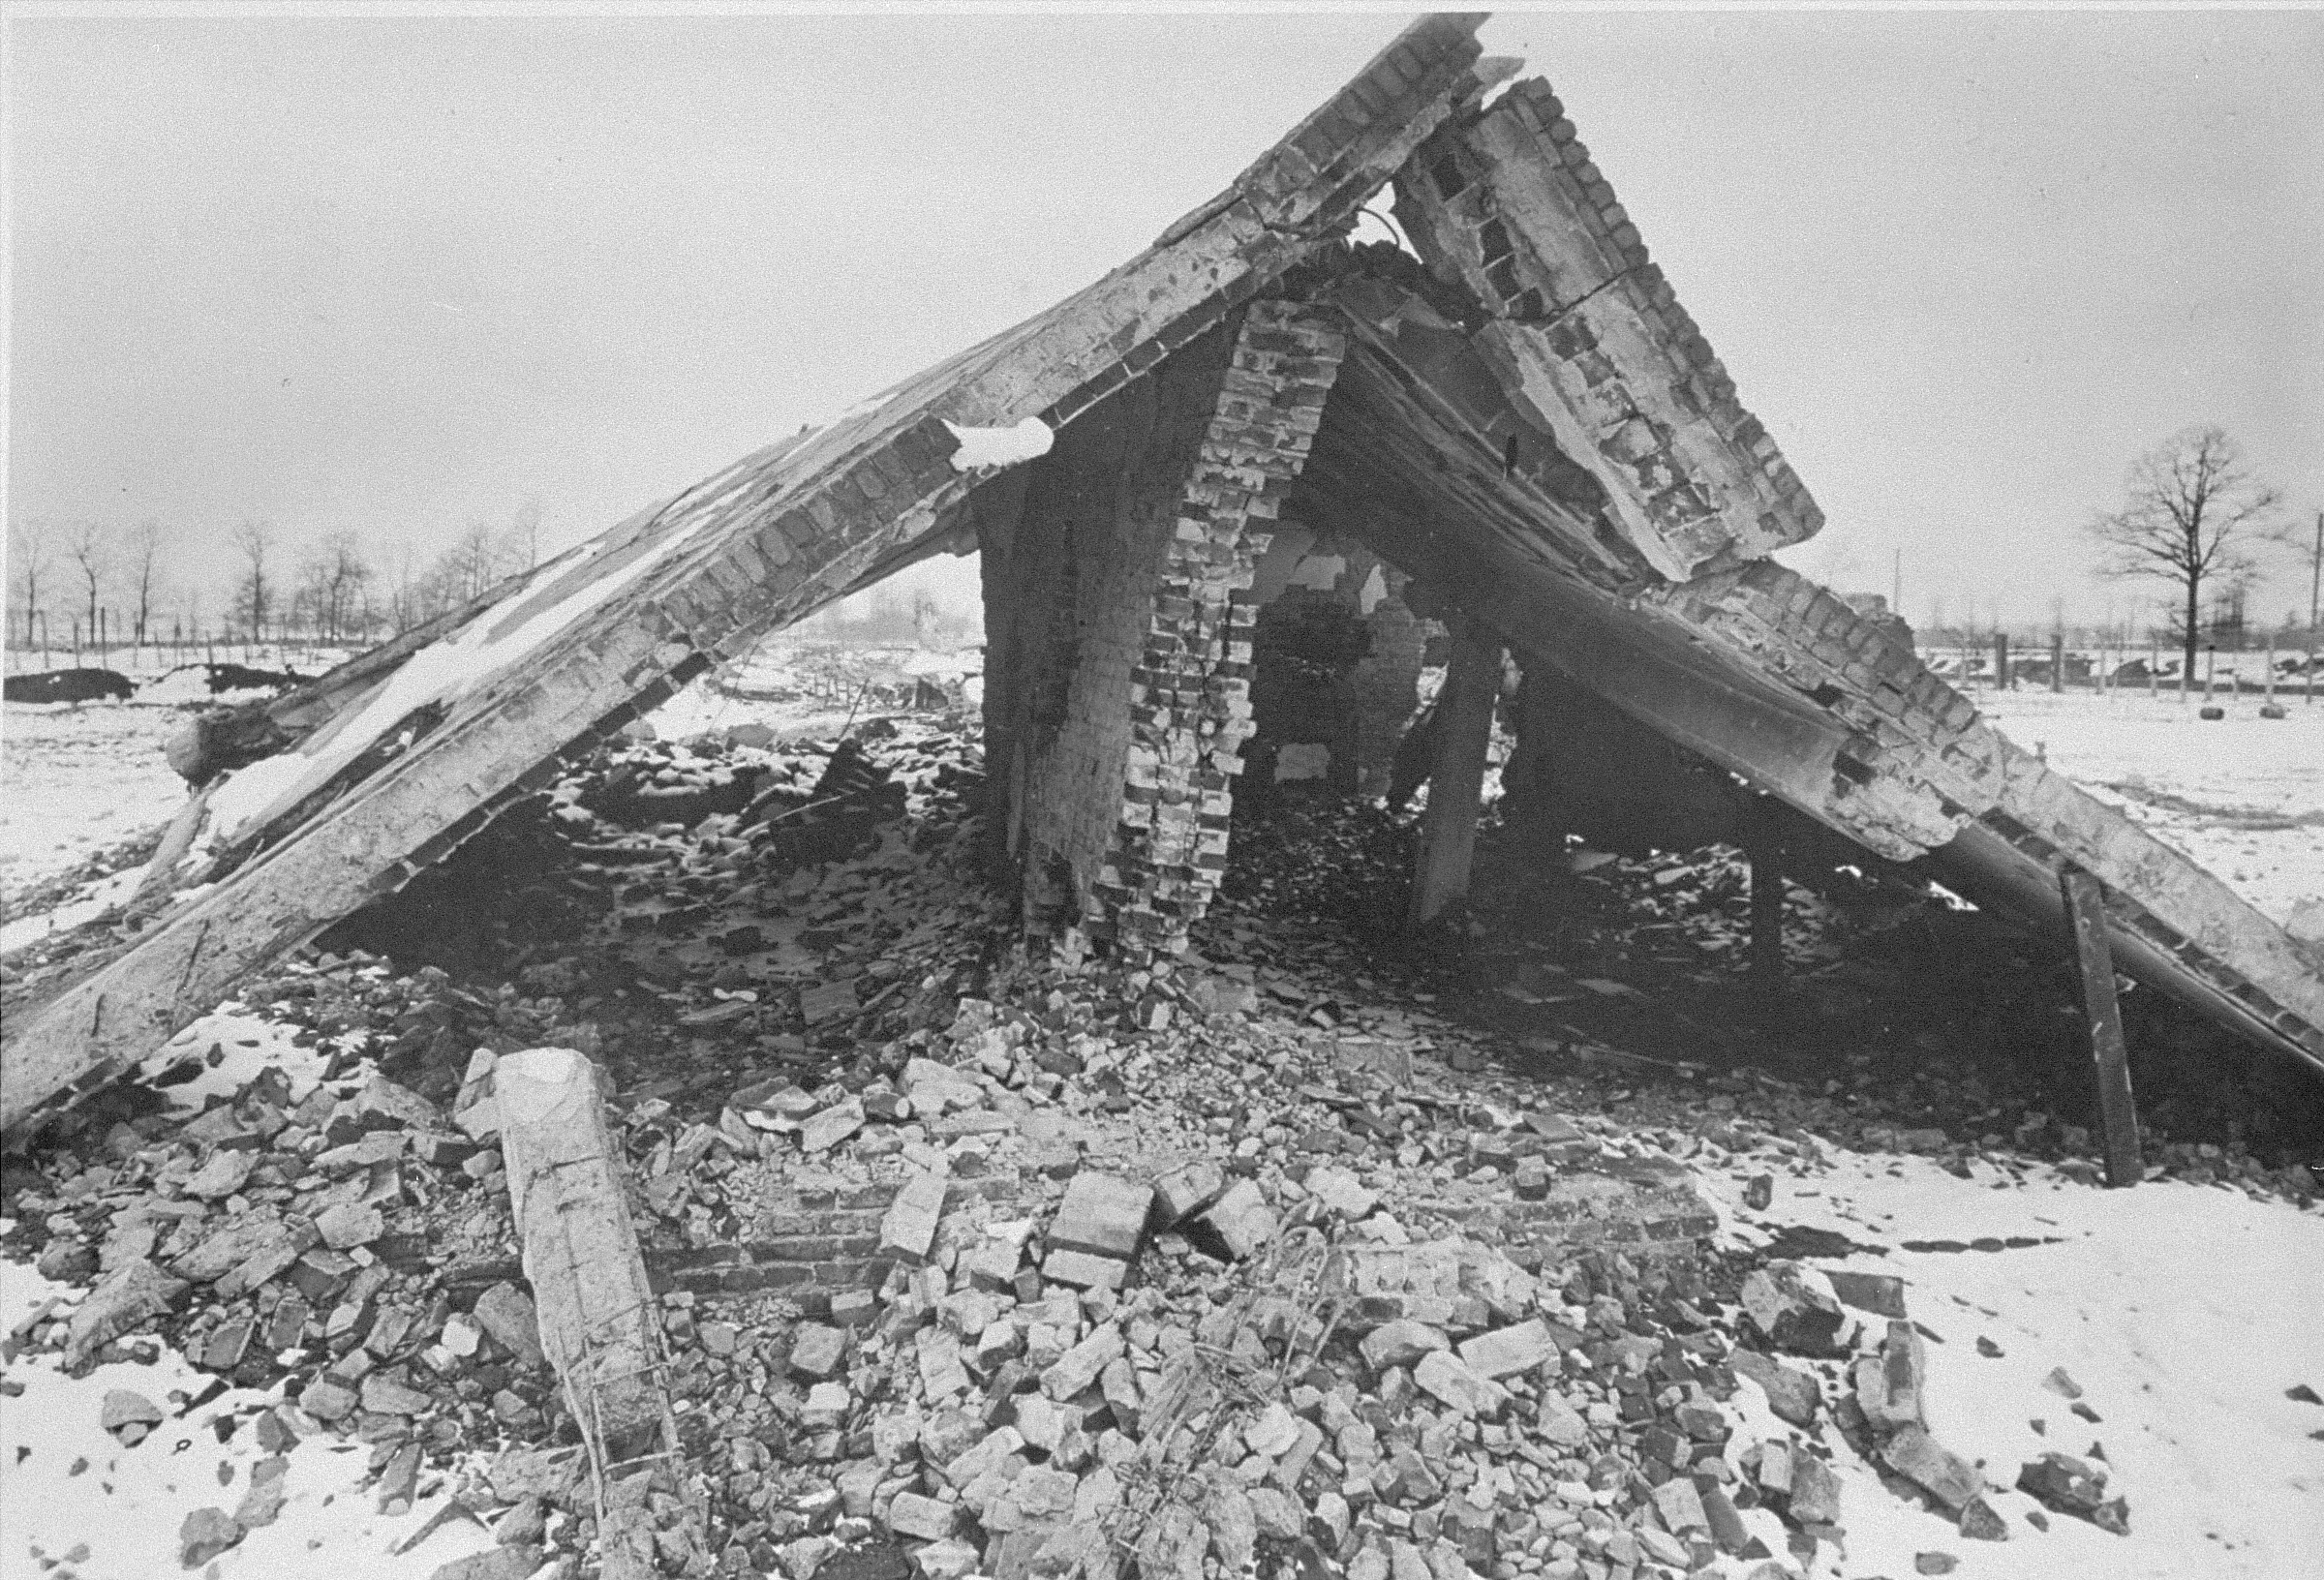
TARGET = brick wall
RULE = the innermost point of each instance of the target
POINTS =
(1190, 702)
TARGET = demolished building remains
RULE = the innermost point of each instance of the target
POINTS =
(1520, 432)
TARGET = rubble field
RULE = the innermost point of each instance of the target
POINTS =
(1500, 1252)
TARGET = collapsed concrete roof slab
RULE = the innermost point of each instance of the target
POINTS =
(1755, 668)
(422, 758)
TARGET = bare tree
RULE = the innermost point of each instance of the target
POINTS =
(86, 547)
(2190, 507)
(524, 532)
(253, 540)
(31, 542)
(145, 561)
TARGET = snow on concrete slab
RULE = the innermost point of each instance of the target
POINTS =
(67, 1487)
(982, 447)
(2184, 1312)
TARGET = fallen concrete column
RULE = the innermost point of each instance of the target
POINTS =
(1456, 778)
(580, 1250)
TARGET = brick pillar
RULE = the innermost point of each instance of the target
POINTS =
(1456, 778)
(1190, 708)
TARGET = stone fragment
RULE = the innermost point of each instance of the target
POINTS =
(1791, 1312)
(205, 1534)
(512, 1563)
(910, 1224)
(1911, 1454)
(1815, 1490)
(1102, 1214)
(1530, 1179)
(2060, 1384)
(1237, 1223)
(1082, 1364)
(2067, 1485)
(1505, 1351)
(1560, 1422)
(1934, 1563)
(833, 1125)
(826, 1406)
(128, 1416)
(1793, 1394)
(349, 1224)
(1889, 1387)
(817, 1351)
(718, 1338)
(1401, 1342)
(328, 1401)
(1278, 1518)
(383, 1395)
(1084, 1271)
(1341, 1192)
(1979, 1522)
(222, 1176)
(923, 1519)
(1880, 1293)
(1680, 1505)
(126, 1298)
(1759, 1193)
(1462, 1389)
(262, 1502)
(506, 1312)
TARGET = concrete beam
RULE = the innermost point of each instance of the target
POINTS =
(1464, 732)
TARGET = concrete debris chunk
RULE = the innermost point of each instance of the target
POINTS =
(1081, 1366)
(1919, 1458)
(1401, 1342)
(924, 1519)
(910, 1224)
(1102, 1214)
(1084, 1271)
(506, 1312)
(1507, 1350)
(125, 1300)
(1790, 1311)
(817, 1351)
(1459, 1388)
(1883, 1295)
(1794, 1395)
(1238, 1223)
(832, 1126)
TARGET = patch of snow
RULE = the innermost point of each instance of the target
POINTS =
(90, 902)
(1001, 447)
(124, 1506)
(2185, 1311)
(233, 1046)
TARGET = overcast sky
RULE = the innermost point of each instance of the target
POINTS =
(397, 274)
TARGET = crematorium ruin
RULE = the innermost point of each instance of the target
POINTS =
(1252, 447)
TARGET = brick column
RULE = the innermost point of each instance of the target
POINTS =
(1190, 706)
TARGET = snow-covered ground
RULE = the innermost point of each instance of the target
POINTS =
(76, 780)
(2242, 795)
(2185, 1312)
(77, 1505)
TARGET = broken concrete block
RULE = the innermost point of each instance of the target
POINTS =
(1082, 1364)
(205, 1534)
(347, 1225)
(1680, 1505)
(128, 1297)
(1238, 1223)
(1186, 1191)
(128, 1416)
(833, 1125)
(817, 1351)
(1102, 1214)
(1084, 1271)
(1790, 1311)
(1889, 1387)
(506, 1312)
(1458, 1388)
(1401, 1342)
(1923, 1461)
(1793, 1394)
(223, 1176)
(1979, 1522)
(1508, 1349)
(1815, 1490)
(923, 1519)
(1341, 1192)
(910, 1224)
(1880, 1293)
